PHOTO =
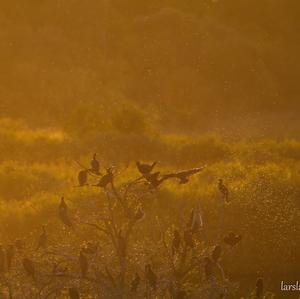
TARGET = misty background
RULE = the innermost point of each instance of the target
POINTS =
(230, 67)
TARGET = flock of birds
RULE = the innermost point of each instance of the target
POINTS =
(154, 179)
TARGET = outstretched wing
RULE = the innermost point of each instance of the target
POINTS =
(184, 173)
(189, 172)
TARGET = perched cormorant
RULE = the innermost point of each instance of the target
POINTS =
(95, 165)
(224, 190)
(232, 239)
(139, 214)
(63, 206)
(83, 263)
(145, 168)
(106, 179)
(82, 178)
(195, 223)
(42, 240)
(64, 217)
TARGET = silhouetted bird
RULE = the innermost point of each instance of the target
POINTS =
(64, 217)
(42, 240)
(150, 276)
(106, 179)
(82, 178)
(10, 254)
(216, 253)
(73, 293)
(63, 213)
(176, 241)
(29, 267)
(232, 239)
(2, 259)
(259, 288)
(188, 238)
(224, 190)
(208, 267)
(63, 206)
(184, 175)
(83, 263)
(95, 165)
(195, 223)
(135, 283)
(145, 168)
(139, 214)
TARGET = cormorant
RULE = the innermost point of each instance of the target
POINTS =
(184, 175)
(139, 214)
(232, 239)
(95, 165)
(64, 217)
(63, 206)
(106, 179)
(224, 190)
(83, 262)
(82, 178)
(195, 222)
(42, 240)
(145, 168)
